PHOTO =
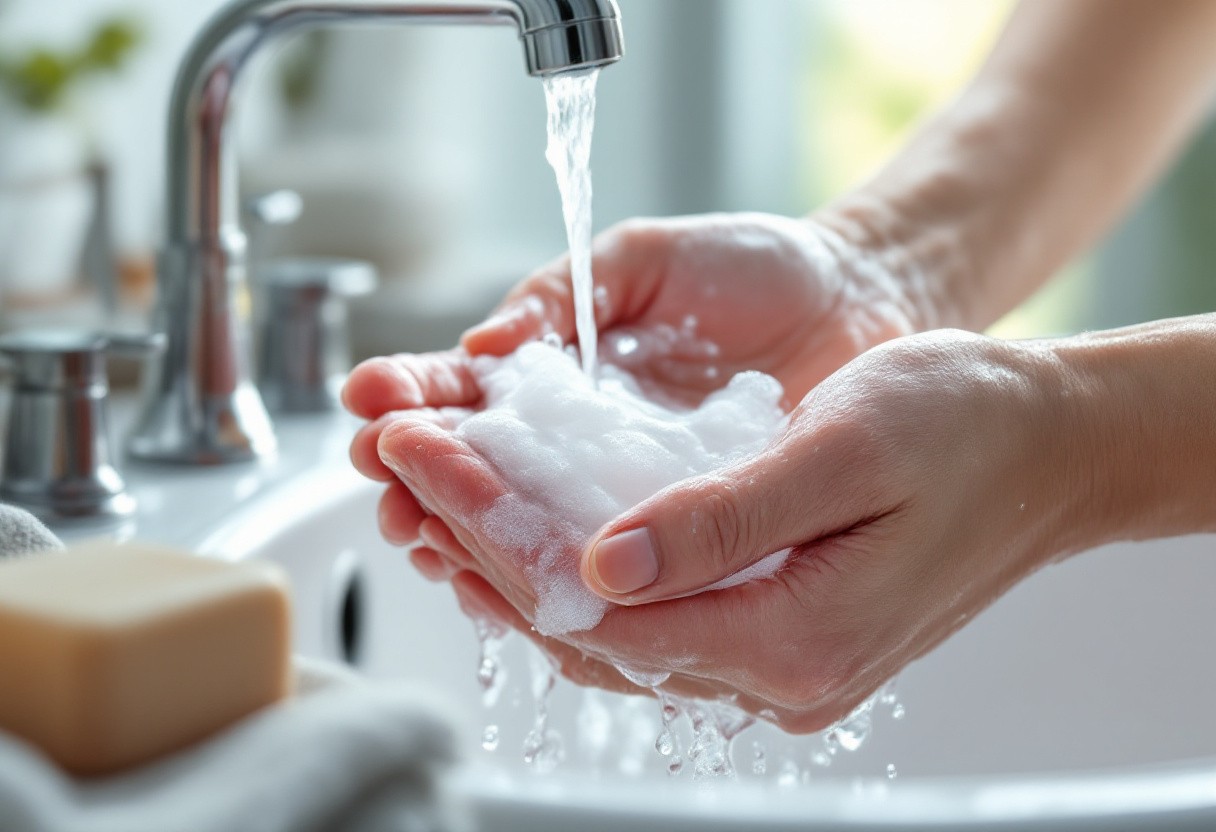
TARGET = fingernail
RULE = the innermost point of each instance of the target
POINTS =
(625, 562)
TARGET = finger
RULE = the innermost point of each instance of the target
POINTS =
(436, 535)
(364, 451)
(399, 515)
(708, 529)
(625, 268)
(455, 482)
(402, 382)
(433, 565)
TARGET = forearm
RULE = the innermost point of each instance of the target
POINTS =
(1077, 110)
(1136, 430)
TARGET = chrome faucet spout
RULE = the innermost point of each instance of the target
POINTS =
(200, 405)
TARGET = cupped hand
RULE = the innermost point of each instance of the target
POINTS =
(687, 303)
(683, 303)
(912, 487)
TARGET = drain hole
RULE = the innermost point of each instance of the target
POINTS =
(346, 609)
(350, 619)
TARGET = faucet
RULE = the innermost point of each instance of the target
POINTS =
(199, 402)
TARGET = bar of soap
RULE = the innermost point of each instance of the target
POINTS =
(114, 654)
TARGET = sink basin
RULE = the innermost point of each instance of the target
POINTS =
(1079, 698)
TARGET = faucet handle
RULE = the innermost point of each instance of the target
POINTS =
(134, 344)
(57, 456)
(282, 207)
(55, 359)
(302, 337)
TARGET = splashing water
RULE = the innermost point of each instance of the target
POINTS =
(852, 731)
(570, 97)
(668, 741)
(544, 749)
(759, 761)
(491, 675)
(686, 738)
(714, 726)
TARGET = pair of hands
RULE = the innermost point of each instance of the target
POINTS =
(902, 484)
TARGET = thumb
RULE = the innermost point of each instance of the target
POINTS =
(703, 530)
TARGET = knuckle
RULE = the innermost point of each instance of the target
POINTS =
(729, 533)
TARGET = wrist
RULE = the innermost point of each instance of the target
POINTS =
(924, 262)
(1139, 439)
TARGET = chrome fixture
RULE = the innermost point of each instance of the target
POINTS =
(200, 405)
(57, 457)
(302, 344)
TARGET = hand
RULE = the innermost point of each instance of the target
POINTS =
(914, 486)
(789, 297)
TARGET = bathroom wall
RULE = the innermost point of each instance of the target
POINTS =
(422, 148)
(126, 118)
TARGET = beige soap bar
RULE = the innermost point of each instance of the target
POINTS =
(112, 654)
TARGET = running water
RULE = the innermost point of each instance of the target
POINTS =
(693, 735)
(571, 100)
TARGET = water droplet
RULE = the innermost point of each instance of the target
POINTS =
(891, 772)
(544, 751)
(830, 743)
(898, 712)
(486, 673)
(675, 766)
(543, 747)
(852, 731)
(665, 744)
(491, 675)
(714, 727)
(788, 778)
(821, 759)
(759, 763)
(489, 738)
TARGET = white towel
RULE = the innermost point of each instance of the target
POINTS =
(21, 533)
(343, 754)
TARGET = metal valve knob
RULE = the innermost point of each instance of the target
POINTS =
(58, 462)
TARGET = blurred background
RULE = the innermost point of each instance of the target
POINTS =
(421, 150)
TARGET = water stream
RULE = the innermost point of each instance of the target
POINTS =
(571, 101)
(692, 735)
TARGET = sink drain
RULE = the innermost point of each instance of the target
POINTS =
(347, 609)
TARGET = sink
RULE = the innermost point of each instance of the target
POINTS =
(1079, 696)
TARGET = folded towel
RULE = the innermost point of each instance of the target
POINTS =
(21, 533)
(343, 754)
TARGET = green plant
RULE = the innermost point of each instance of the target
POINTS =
(39, 79)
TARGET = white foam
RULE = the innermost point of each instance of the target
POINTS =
(577, 456)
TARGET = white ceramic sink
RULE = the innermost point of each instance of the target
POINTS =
(1082, 697)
